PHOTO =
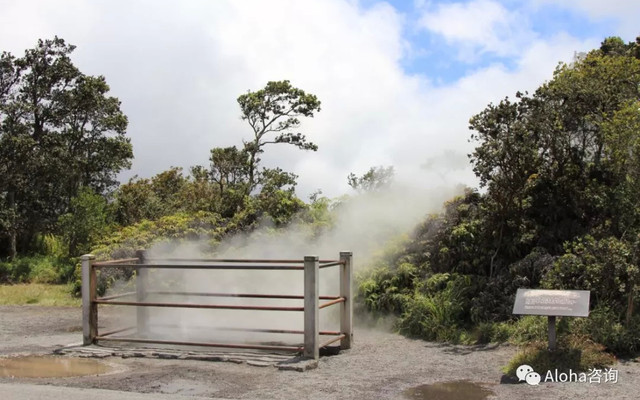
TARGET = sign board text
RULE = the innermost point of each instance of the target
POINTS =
(561, 303)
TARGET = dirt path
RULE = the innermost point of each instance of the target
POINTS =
(380, 366)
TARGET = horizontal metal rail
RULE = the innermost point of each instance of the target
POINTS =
(242, 295)
(257, 330)
(332, 302)
(296, 349)
(285, 331)
(332, 340)
(116, 296)
(234, 260)
(331, 264)
(113, 262)
(205, 266)
(191, 305)
(107, 333)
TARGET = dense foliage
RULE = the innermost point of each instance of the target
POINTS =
(560, 170)
(63, 140)
(59, 133)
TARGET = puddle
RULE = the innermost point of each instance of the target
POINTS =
(457, 390)
(50, 367)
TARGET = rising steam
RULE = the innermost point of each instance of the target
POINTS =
(363, 225)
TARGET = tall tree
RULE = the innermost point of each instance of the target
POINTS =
(506, 162)
(59, 131)
(557, 163)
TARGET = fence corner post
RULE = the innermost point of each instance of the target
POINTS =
(89, 307)
(141, 293)
(346, 291)
(311, 310)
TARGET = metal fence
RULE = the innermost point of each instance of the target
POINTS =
(313, 302)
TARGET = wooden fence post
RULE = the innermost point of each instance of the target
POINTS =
(89, 308)
(142, 314)
(311, 311)
(346, 309)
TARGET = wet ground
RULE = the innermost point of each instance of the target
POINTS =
(51, 367)
(456, 390)
(381, 365)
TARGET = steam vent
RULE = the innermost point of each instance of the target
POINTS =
(259, 311)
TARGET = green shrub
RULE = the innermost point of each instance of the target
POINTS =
(484, 332)
(501, 332)
(51, 245)
(604, 326)
(36, 269)
(606, 267)
(16, 271)
(4, 272)
(84, 223)
(43, 271)
(529, 329)
(430, 318)
(574, 352)
(439, 315)
(75, 288)
(383, 290)
(142, 235)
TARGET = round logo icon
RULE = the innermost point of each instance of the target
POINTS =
(522, 372)
(533, 378)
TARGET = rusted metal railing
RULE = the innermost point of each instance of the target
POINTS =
(139, 299)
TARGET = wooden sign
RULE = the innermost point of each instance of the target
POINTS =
(560, 303)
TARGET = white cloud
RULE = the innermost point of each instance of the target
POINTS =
(623, 13)
(178, 68)
(478, 26)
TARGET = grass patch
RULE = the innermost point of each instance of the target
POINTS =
(575, 352)
(37, 294)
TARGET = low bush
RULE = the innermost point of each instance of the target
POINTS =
(36, 269)
(430, 318)
(605, 326)
(384, 290)
(485, 332)
(15, 271)
(182, 226)
(529, 329)
(437, 311)
(574, 352)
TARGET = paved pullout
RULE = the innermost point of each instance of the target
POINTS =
(381, 365)
(25, 391)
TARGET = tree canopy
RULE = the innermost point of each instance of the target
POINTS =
(560, 171)
(274, 113)
(59, 132)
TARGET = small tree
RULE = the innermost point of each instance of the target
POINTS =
(273, 114)
(85, 222)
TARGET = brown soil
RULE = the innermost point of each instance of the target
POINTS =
(381, 365)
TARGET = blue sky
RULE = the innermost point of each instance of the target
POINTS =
(398, 80)
(436, 55)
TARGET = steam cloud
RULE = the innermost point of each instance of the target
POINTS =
(363, 225)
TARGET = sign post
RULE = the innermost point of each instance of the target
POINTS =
(552, 303)
(551, 326)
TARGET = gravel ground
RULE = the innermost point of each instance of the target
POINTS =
(381, 365)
